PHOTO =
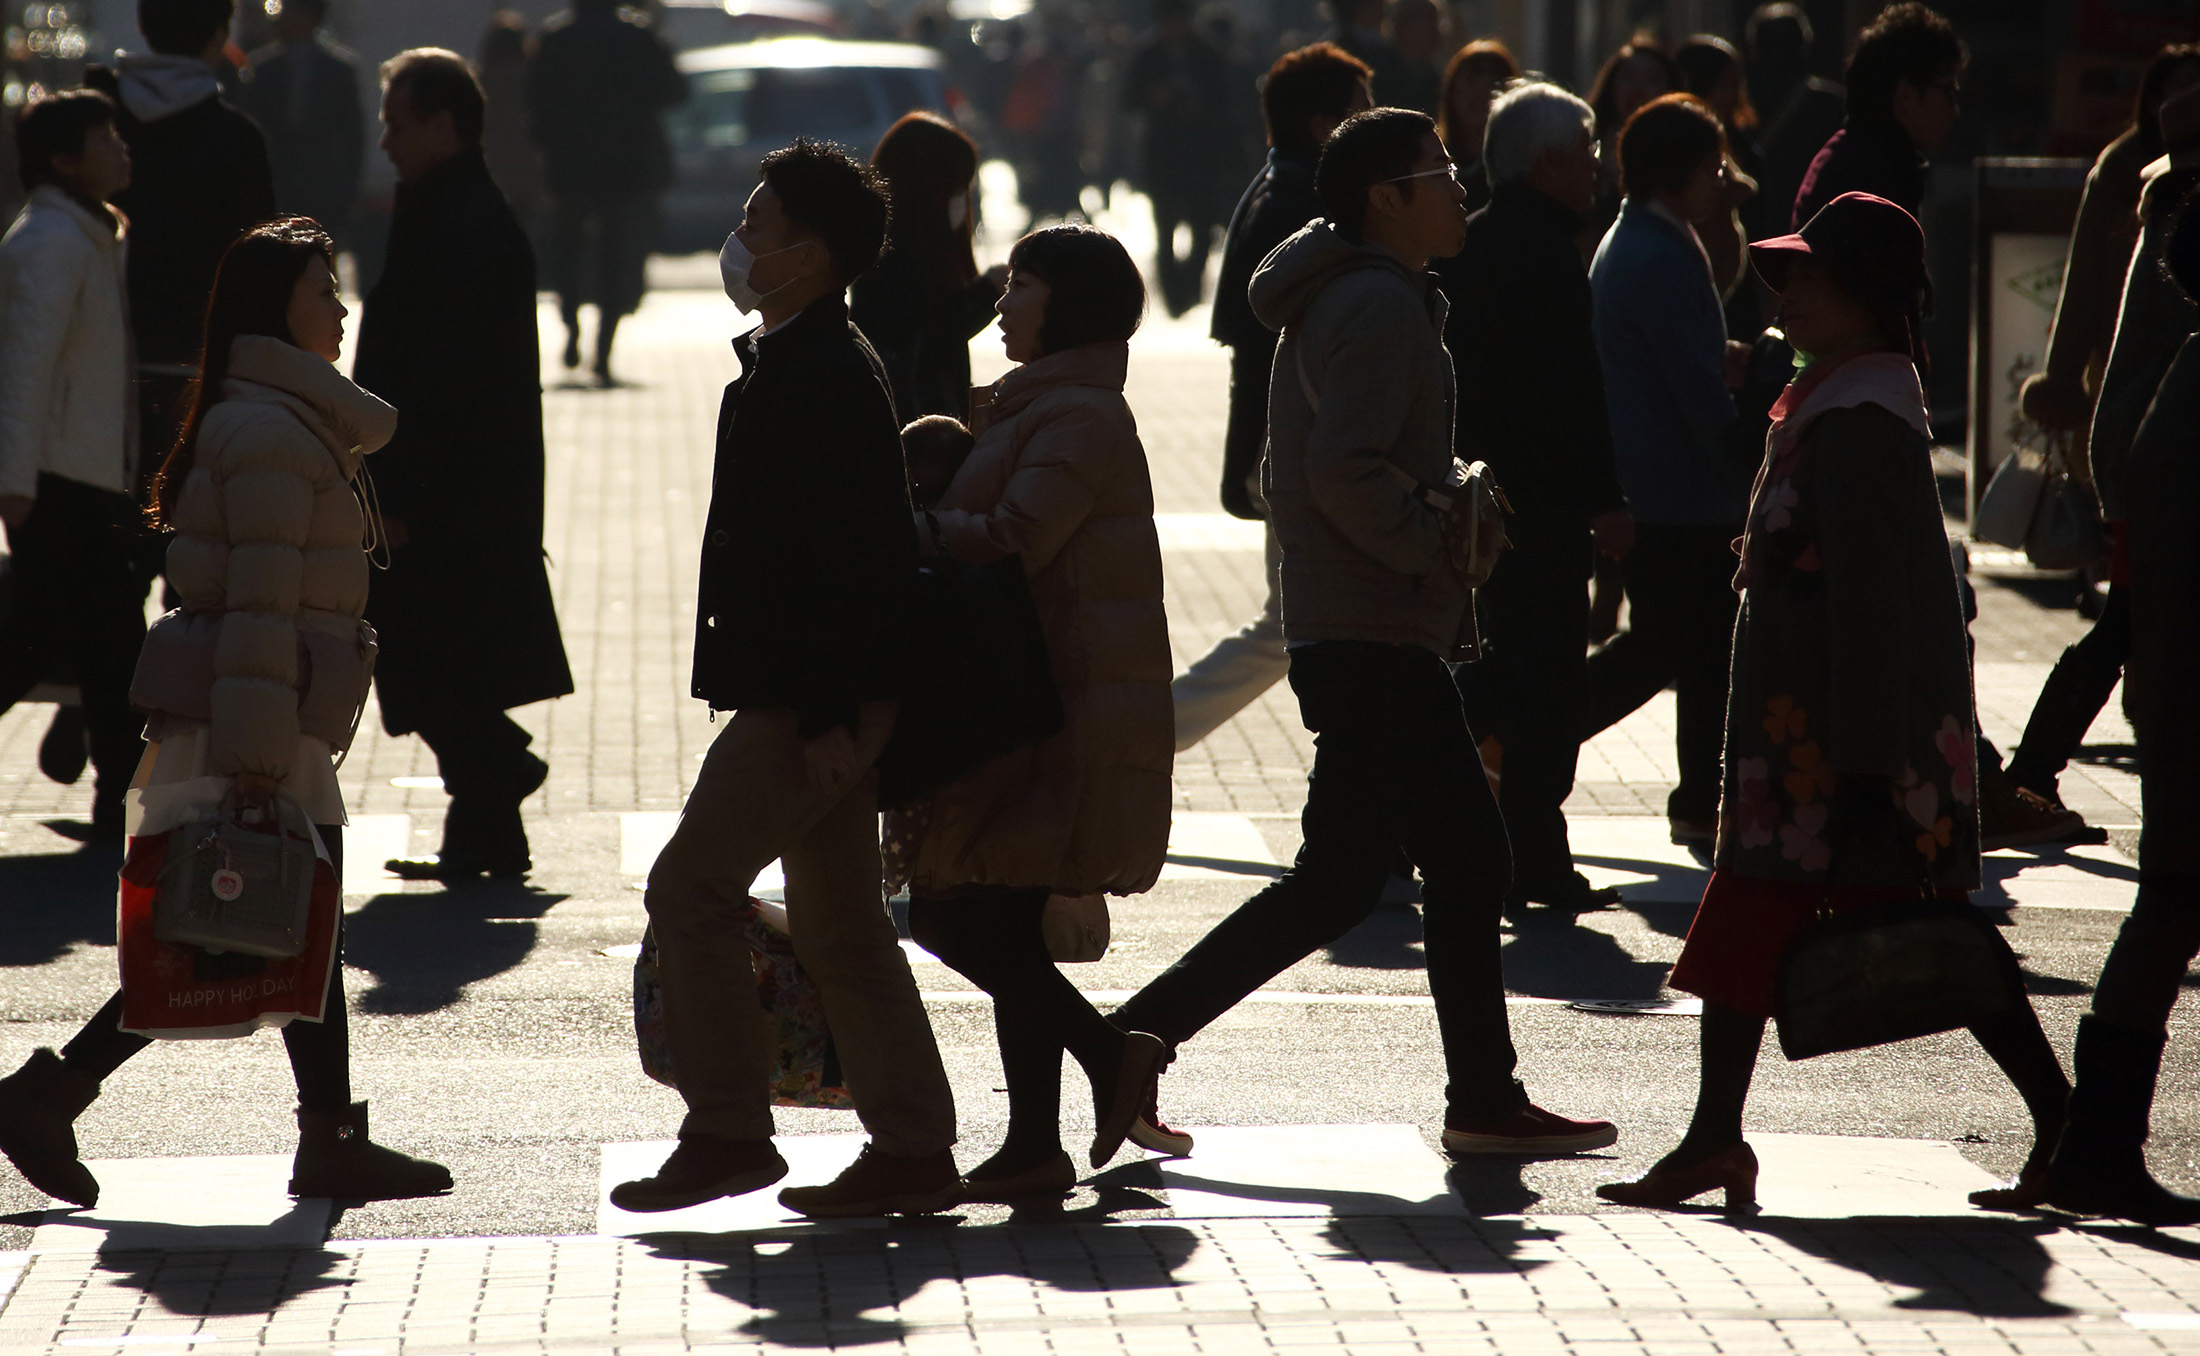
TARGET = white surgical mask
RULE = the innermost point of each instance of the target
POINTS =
(958, 210)
(734, 263)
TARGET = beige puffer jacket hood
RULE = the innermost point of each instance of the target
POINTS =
(1059, 476)
(270, 536)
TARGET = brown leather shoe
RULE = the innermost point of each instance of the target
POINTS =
(879, 1183)
(1056, 1178)
(1529, 1132)
(703, 1168)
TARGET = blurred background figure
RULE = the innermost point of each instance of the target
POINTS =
(925, 300)
(304, 93)
(2060, 399)
(1416, 30)
(1177, 84)
(1471, 79)
(1359, 31)
(1711, 70)
(1796, 111)
(1306, 95)
(1042, 113)
(515, 162)
(1904, 86)
(1638, 72)
(597, 91)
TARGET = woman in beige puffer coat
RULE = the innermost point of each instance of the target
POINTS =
(270, 554)
(1059, 477)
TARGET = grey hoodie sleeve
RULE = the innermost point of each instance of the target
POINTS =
(1367, 361)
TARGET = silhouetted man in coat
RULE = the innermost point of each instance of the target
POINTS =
(467, 626)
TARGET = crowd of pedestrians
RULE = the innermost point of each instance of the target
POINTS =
(1553, 287)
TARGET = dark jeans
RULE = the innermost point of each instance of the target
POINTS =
(1530, 691)
(80, 609)
(1181, 275)
(320, 1052)
(1680, 631)
(1246, 435)
(599, 253)
(482, 756)
(2075, 692)
(1394, 766)
(992, 938)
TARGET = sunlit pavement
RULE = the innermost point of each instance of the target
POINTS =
(493, 1031)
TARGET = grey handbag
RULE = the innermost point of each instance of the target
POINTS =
(240, 879)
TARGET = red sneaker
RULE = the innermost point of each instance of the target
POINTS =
(1530, 1132)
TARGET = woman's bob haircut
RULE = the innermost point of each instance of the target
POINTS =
(1094, 292)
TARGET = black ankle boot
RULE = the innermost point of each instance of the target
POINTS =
(39, 1104)
(2100, 1165)
(337, 1160)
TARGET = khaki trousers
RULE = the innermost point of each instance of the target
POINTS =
(753, 802)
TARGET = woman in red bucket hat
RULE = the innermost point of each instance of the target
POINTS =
(1850, 773)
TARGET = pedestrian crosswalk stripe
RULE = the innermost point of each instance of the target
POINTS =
(187, 1204)
(369, 841)
(1209, 532)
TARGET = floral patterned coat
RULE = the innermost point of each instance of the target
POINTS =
(1850, 657)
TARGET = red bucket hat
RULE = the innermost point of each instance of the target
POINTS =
(1873, 247)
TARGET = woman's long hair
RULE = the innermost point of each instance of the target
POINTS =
(1604, 90)
(252, 291)
(1485, 57)
(1702, 60)
(926, 160)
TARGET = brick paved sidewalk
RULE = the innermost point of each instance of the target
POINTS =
(1654, 1284)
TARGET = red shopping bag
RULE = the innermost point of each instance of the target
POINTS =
(175, 991)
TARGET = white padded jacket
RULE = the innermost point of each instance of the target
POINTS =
(66, 361)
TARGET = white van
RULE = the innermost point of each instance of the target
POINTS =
(749, 99)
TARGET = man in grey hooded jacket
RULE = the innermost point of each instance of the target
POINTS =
(1360, 424)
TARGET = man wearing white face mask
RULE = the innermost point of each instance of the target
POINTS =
(809, 552)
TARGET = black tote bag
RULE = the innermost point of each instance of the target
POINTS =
(978, 682)
(1887, 973)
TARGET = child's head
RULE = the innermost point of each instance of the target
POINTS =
(69, 140)
(934, 448)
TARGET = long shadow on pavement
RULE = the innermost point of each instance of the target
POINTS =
(817, 1288)
(1995, 1268)
(57, 901)
(423, 950)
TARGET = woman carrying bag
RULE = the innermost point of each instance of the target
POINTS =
(1058, 476)
(271, 541)
(1851, 776)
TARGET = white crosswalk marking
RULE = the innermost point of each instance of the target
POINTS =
(1209, 532)
(1205, 846)
(369, 841)
(174, 1204)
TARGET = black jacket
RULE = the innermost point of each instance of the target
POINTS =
(448, 337)
(810, 547)
(306, 100)
(1276, 204)
(922, 330)
(597, 90)
(199, 178)
(1531, 388)
(1876, 158)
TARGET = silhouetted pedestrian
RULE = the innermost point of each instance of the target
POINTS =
(2060, 398)
(1059, 480)
(2100, 1166)
(465, 614)
(68, 437)
(1797, 111)
(200, 179)
(925, 300)
(1360, 428)
(1177, 85)
(269, 544)
(1904, 83)
(1531, 404)
(809, 557)
(304, 93)
(1850, 772)
(1472, 78)
(1667, 369)
(596, 95)
(1307, 94)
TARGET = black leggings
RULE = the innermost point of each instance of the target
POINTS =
(993, 939)
(320, 1052)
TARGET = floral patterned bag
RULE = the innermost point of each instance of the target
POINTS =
(807, 1070)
